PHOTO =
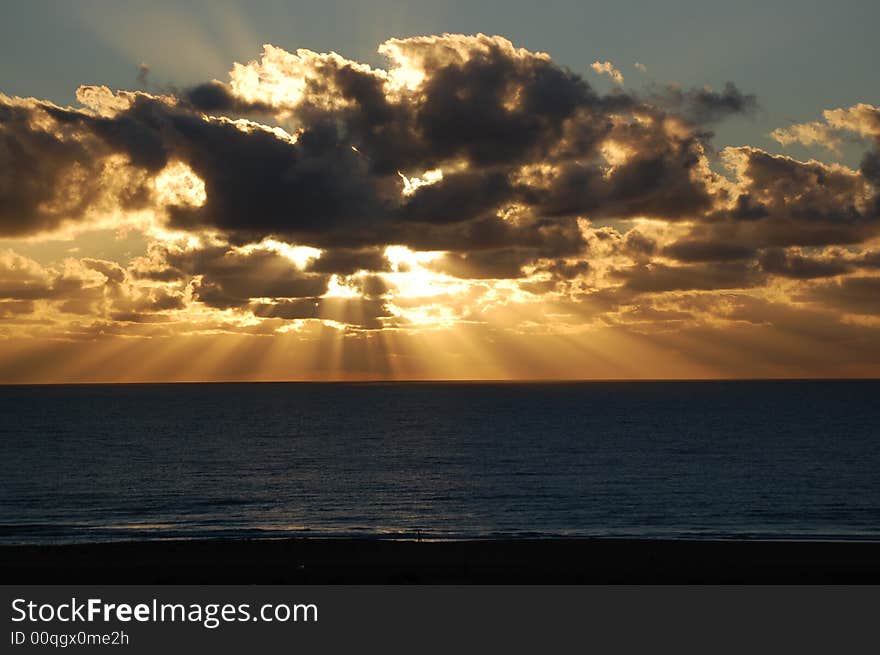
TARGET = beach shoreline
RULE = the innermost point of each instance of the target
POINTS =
(477, 561)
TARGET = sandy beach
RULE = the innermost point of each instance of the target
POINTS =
(376, 561)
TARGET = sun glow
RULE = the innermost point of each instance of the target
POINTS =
(337, 288)
(412, 184)
(413, 279)
(178, 185)
(403, 259)
(299, 255)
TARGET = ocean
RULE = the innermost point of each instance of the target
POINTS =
(695, 460)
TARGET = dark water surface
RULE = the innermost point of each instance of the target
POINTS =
(797, 459)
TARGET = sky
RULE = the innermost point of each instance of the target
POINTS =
(438, 190)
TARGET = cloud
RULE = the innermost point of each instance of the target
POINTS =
(658, 278)
(503, 128)
(365, 313)
(24, 279)
(794, 264)
(694, 250)
(705, 105)
(230, 277)
(89, 288)
(607, 68)
(808, 134)
(142, 74)
(215, 97)
(779, 201)
(51, 172)
(347, 261)
(501, 263)
(861, 119)
(466, 181)
(856, 295)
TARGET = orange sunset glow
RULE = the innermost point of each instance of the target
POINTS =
(469, 210)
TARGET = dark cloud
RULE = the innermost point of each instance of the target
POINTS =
(540, 237)
(211, 97)
(505, 263)
(459, 197)
(660, 178)
(639, 246)
(111, 270)
(258, 184)
(705, 105)
(660, 184)
(215, 97)
(136, 132)
(488, 109)
(346, 261)
(229, 278)
(526, 147)
(45, 176)
(870, 167)
(810, 192)
(784, 202)
(358, 312)
(855, 295)
(371, 286)
(693, 250)
(658, 278)
(143, 75)
(564, 269)
(798, 266)
(484, 103)
(497, 109)
(13, 308)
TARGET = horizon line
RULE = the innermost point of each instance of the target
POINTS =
(425, 381)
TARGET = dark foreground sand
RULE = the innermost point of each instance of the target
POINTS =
(374, 561)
